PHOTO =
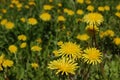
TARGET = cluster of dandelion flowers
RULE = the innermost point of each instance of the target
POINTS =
(63, 65)
(93, 18)
(92, 56)
(71, 50)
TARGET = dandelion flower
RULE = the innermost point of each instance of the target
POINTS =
(116, 41)
(32, 21)
(47, 7)
(101, 8)
(117, 14)
(23, 45)
(118, 7)
(83, 37)
(34, 65)
(63, 65)
(80, 1)
(22, 37)
(9, 25)
(92, 56)
(61, 18)
(36, 48)
(59, 43)
(109, 33)
(3, 22)
(45, 16)
(90, 8)
(107, 8)
(7, 63)
(56, 53)
(70, 49)
(79, 12)
(12, 49)
(93, 18)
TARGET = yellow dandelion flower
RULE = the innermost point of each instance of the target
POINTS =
(50, 0)
(22, 37)
(69, 12)
(12, 49)
(109, 33)
(31, 3)
(70, 49)
(118, 7)
(90, 8)
(0, 17)
(92, 56)
(39, 40)
(83, 37)
(2, 58)
(88, 1)
(47, 7)
(23, 45)
(107, 8)
(45, 16)
(3, 22)
(7, 63)
(80, 1)
(32, 21)
(79, 12)
(116, 41)
(9, 25)
(4, 11)
(27, 6)
(61, 18)
(36, 48)
(59, 4)
(101, 8)
(93, 18)
(34, 65)
(19, 5)
(117, 14)
(64, 66)
(22, 19)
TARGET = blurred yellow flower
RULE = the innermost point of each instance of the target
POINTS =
(69, 12)
(80, 1)
(118, 7)
(22, 37)
(116, 41)
(47, 7)
(93, 18)
(83, 37)
(61, 18)
(109, 33)
(34, 65)
(36, 48)
(23, 45)
(71, 50)
(107, 8)
(7, 63)
(4, 11)
(39, 40)
(0, 17)
(45, 16)
(92, 56)
(117, 14)
(12, 49)
(32, 21)
(22, 19)
(88, 1)
(101, 8)
(50, 0)
(27, 6)
(63, 66)
(19, 5)
(90, 8)
(31, 3)
(3, 22)
(59, 4)
(79, 12)
(9, 25)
